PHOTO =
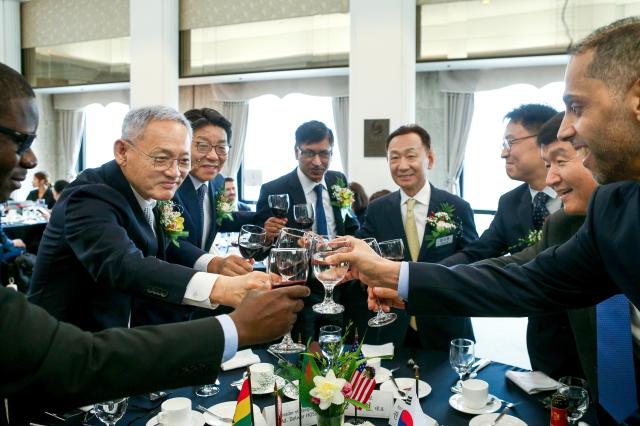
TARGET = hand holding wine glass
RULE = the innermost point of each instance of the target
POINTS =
(328, 274)
(382, 318)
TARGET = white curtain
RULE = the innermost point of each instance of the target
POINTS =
(70, 131)
(237, 112)
(341, 119)
(457, 116)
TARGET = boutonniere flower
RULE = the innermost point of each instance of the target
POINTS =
(530, 239)
(224, 208)
(172, 221)
(342, 197)
(441, 224)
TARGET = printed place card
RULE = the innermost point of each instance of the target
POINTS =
(380, 406)
(290, 415)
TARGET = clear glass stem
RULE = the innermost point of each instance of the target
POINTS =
(287, 340)
(328, 294)
(380, 311)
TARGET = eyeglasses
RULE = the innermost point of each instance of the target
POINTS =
(309, 154)
(506, 143)
(162, 162)
(205, 148)
(23, 140)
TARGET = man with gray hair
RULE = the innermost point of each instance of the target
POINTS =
(114, 232)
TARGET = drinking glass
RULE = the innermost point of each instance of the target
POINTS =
(330, 343)
(382, 318)
(279, 205)
(575, 390)
(329, 275)
(292, 264)
(392, 249)
(109, 412)
(303, 214)
(461, 356)
(294, 238)
(252, 242)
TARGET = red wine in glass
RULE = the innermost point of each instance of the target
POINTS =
(305, 223)
(279, 205)
(279, 212)
(290, 283)
(250, 250)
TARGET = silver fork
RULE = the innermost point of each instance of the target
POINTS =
(217, 417)
(507, 407)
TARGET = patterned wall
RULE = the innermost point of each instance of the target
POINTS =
(208, 13)
(53, 22)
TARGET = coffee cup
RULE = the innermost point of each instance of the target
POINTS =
(475, 393)
(175, 412)
(262, 377)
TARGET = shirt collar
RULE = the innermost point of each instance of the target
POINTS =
(547, 190)
(144, 203)
(422, 196)
(197, 183)
(308, 184)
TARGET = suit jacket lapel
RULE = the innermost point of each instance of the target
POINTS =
(525, 210)
(394, 213)
(435, 200)
(163, 242)
(213, 229)
(190, 199)
(332, 179)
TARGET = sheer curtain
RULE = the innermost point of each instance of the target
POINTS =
(237, 112)
(457, 116)
(70, 131)
(341, 117)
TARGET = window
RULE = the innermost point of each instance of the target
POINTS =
(102, 128)
(268, 151)
(484, 179)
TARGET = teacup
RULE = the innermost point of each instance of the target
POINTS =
(175, 412)
(475, 393)
(262, 377)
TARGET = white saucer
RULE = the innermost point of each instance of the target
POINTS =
(487, 419)
(457, 402)
(279, 381)
(291, 390)
(226, 410)
(197, 419)
(382, 375)
(406, 384)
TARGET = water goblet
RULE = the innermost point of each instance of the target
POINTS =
(329, 275)
(382, 318)
(109, 412)
(461, 356)
(575, 390)
(330, 340)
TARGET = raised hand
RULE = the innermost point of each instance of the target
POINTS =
(231, 265)
(230, 291)
(388, 299)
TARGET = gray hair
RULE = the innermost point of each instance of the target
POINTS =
(137, 120)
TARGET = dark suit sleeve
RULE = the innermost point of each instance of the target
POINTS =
(48, 362)
(187, 254)
(367, 229)
(263, 212)
(469, 233)
(239, 218)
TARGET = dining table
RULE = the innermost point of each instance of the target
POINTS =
(433, 366)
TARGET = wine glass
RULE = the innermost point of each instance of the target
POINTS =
(252, 242)
(303, 214)
(575, 390)
(292, 264)
(330, 340)
(279, 205)
(329, 275)
(109, 412)
(392, 249)
(461, 356)
(382, 318)
(294, 238)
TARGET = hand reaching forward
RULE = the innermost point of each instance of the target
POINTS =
(388, 299)
(230, 291)
(266, 315)
(231, 265)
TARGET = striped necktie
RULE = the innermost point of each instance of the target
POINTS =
(148, 214)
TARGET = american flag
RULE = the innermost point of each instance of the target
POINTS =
(362, 383)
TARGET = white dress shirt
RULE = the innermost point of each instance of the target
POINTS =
(310, 196)
(553, 203)
(420, 208)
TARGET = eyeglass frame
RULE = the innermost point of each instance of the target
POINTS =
(155, 159)
(226, 146)
(23, 140)
(506, 143)
(324, 154)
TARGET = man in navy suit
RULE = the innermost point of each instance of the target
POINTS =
(232, 195)
(107, 242)
(410, 158)
(313, 150)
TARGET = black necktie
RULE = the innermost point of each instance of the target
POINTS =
(202, 190)
(540, 211)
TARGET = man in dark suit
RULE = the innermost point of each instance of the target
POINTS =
(232, 195)
(602, 121)
(403, 214)
(37, 367)
(107, 241)
(313, 149)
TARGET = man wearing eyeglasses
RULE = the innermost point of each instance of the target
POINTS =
(310, 182)
(108, 242)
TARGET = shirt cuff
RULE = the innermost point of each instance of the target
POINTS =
(199, 289)
(403, 281)
(230, 336)
(203, 262)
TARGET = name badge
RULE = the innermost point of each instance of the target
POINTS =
(290, 415)
(444, 240)
(380, 406)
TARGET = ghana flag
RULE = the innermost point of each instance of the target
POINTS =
(243, 415)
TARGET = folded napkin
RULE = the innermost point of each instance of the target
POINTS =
(241, 359)
(370, 351)
(532, 381)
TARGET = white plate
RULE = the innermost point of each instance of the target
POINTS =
(406, 384)
(382, 375)
(279, 381)
(197, 419)
(487, 419)
(457, 402)
(291, 390)
(226, 410)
